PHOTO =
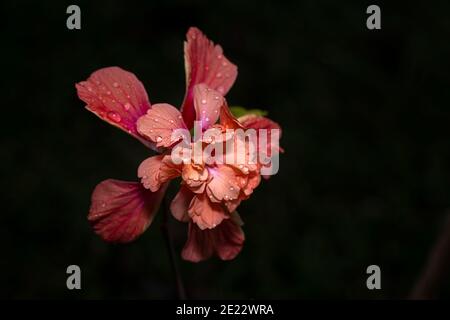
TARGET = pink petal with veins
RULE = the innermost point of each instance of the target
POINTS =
(159, 123)
(121, 211)
(116, 96)
(156, 170)
(226, 241)
(207, 103)
(206, 214)
(222, 184)
(204, 63)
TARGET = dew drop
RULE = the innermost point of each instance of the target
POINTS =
(114, 116)
(219, 56)
(127, 106)
(207, 119)
(108, 93)
(218, 75)
(115, 85)
(203, 101)
(158, 139)
(224, 64)
(171, 121)
(231, 188)
(216, 97)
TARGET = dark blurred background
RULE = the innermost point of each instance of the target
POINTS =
(365, 178)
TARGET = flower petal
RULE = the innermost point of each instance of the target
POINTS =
(121, 211)
(252, 121)
(207, 104)
(204, 63)
(116, 96)
(180, 204)
(227, 120)
(156, 170)
(206, 214)
(195, 177)
(159, 123)
(223, 184)
(226, 240)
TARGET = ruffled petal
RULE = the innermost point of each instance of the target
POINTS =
(121, 211)
(195, 177)
(116, 96)
(207, 104)
(204, 63)
(159, 124)
(226, 241)
(223, 184)
(156, 170)
(206, 214)
(180, 204)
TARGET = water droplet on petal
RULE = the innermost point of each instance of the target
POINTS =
(155, 119)
(203, 101)
(218, 75)
(115, 85)
(114, 116)
(216, 97)
(127, 106)
(171, 121)
(219, 56)
(108, 93)
(221, 89)
(158, 139)
(103, 204)
(224, 64)
(231, 188)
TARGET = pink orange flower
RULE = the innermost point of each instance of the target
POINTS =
(210, 192)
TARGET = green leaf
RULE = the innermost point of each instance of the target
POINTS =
(238, 111)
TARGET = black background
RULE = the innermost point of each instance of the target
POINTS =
(365, 178)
